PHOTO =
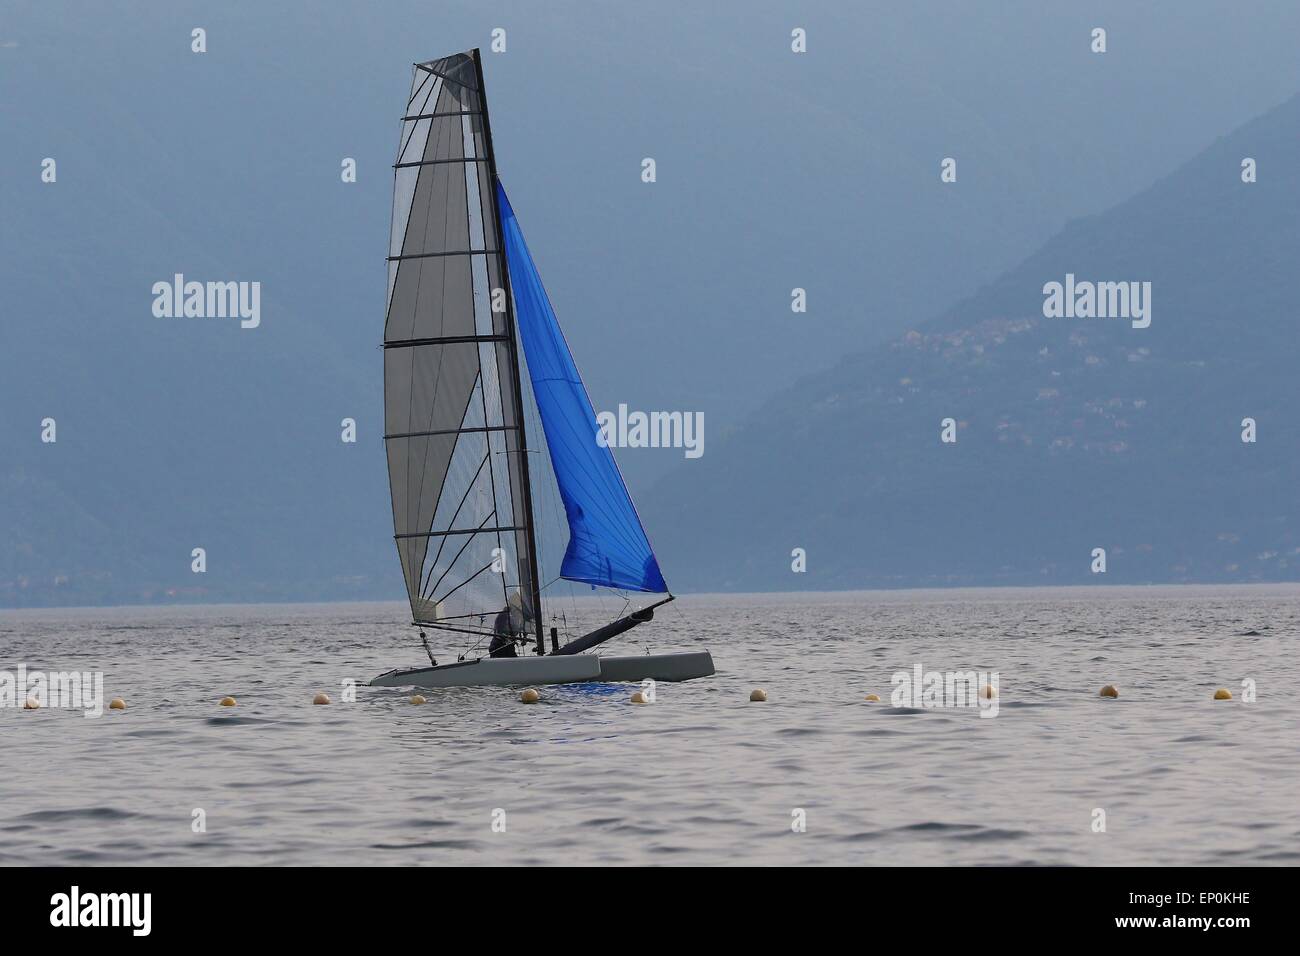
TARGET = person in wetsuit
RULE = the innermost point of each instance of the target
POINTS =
(509, 626)
(503, 638)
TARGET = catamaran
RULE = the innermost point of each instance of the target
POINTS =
(463, 401)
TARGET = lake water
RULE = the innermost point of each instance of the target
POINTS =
(702, 775)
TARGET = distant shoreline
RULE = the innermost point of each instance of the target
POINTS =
(881, 595)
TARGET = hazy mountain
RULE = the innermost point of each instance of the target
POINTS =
(1074, 433)
(775, 170)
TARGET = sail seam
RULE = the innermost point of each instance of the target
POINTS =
(472, 577)
(417, 90)
(449, 79)
(424, 586)
(435, 93)
(453, 562)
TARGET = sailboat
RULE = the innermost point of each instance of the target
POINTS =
(471, 348)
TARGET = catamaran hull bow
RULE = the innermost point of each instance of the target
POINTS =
(659, 667)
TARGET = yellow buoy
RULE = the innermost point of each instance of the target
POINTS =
(758, 694)
(1223, 694)
(321, 698)
(117, 703)
(227, 702)
(874, 698)
(418, 699)
(530, 696)
(1110, 690)
(31, 703)
(989, 692)
(638, 697)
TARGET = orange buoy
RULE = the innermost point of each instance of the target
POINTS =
(1223, 694)
(117, 703)
(874, 698)
(1110, 690)
(321, 698)
(530, 696)
(227, 702)
(758, 694)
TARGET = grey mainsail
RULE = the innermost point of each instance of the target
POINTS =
(454, 436)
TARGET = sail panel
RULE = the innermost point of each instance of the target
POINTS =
(607, 543)
(450, 411)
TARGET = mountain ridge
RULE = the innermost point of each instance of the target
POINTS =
(1076, 405)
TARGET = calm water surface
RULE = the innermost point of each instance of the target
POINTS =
(702, 776)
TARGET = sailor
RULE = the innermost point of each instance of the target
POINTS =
(510, 626)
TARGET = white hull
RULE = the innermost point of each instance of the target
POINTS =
(496, 671)
(562, 669)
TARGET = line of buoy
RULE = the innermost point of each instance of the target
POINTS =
(1110, 690)
(531, 696)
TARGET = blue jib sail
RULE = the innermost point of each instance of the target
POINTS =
(607, 545)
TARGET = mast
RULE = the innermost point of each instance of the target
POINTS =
(526, 491)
